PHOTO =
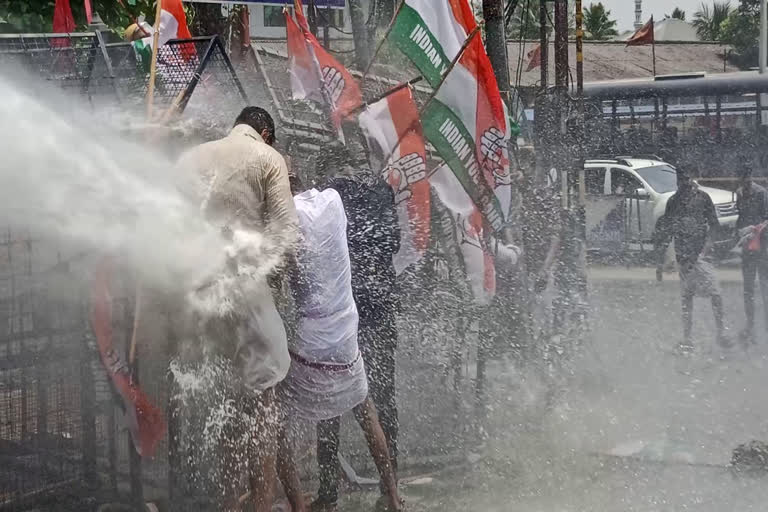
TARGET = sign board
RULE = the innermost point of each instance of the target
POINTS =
(336, 4)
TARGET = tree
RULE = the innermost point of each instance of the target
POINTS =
(523, 19)
(741, 30)
(708, 21)
(37, 15)
(677, 14)
(598, 24)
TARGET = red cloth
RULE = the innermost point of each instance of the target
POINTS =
(642, 36)
(88, 12)
(63, 22)
(754, 244)
(145, 421)
(534, 59)
(341, 90)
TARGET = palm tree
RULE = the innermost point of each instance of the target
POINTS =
(522, 17)
(708, 21)
(597, 23)
(677, 14)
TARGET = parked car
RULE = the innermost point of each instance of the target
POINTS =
(626, 197)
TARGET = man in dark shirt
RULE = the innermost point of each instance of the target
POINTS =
(689, 219)
(752, 203)
(373, 236)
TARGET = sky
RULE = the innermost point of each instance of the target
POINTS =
(624, 10)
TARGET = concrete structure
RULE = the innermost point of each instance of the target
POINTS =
(639, 14)
(613, 60)
(267, 21)
(668, 29)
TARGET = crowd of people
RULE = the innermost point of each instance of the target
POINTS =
(315, 337)
(690, 219)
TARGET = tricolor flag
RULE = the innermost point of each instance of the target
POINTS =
(469, 233)
(392, 127)
(315, 74)
(466, 122)
(173, 25)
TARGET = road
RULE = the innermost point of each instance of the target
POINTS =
(638, 428)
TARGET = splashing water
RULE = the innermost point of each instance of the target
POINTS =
(72, 178)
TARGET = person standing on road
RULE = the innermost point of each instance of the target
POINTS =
(373, 234)
(752, 203)
(243, 187)
(327, 377)
(690, 219)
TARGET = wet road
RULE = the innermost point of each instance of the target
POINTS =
(637, 429)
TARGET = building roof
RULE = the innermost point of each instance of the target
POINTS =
(668, 29)
(613, 60)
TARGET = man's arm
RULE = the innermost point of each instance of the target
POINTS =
(282, 222)
(663, 236)
(714, 224)
(740, 209)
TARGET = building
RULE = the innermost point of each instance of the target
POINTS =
(668, 29)
(268, 21)
(613, 60)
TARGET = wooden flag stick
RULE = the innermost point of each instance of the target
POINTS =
(390, 92)
(450, 68)
(153, 65)
(383, 40)
(437, 89)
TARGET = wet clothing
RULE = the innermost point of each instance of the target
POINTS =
(373, 234)
(753, 210)
(698, 279)
(242, 185)
(754, 265)
(327, 377)
(688, 219)
(753, 207)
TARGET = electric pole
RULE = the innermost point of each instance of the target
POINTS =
(544, 42)
(496, 43)
(359, 34)
(561, 44)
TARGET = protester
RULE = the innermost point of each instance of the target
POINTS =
(690, 219)
(327, 377)
(752, 204)
(244, 189)
(373, 234)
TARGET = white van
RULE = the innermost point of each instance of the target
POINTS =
(627, 196)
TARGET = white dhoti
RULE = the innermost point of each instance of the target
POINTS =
(321, 391)
(327, 376)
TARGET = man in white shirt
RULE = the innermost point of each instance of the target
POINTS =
(327, 377)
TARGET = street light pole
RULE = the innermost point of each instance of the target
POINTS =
(763, 35)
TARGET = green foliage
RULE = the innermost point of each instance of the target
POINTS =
(677, 14)
(741, 30)
(598, 24)
(37, 15)
(523, 22)
(708, 20)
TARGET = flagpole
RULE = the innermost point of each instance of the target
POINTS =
(153, 65)
(450, 68)
(653, 53)
(437, 89)
(390, 92)
(383, 40)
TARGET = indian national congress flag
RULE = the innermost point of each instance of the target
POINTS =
(466, 122)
